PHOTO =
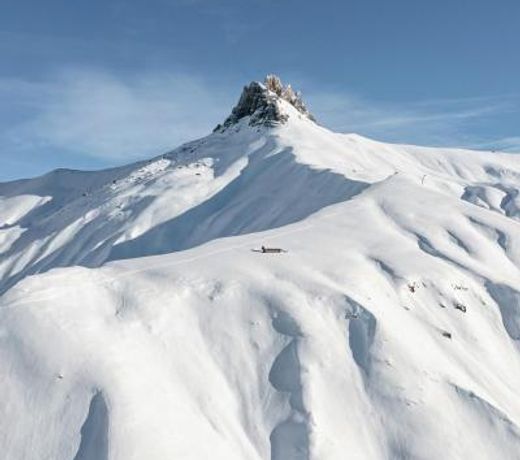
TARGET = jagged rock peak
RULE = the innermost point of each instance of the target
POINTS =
(260, 102)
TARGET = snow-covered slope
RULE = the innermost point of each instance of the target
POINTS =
(389, 330)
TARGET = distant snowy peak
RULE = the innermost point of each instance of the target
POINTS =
(266, 104)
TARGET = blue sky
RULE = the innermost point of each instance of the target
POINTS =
(90, 84)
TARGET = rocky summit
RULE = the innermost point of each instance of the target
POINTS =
(261, 102)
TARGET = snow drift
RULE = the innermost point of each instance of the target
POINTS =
(136, 322)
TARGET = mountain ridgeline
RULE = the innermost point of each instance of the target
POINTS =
(141, 319)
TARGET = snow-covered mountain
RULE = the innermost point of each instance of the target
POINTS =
(138, 320)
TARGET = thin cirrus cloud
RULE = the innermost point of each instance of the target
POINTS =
(442, 122)
(99, 115)
(505, 144)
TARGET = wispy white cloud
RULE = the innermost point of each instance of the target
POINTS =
(434, 122)
(97, 114)
(505, 144)
(120, 118)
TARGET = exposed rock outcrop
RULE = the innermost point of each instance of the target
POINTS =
(261, 102)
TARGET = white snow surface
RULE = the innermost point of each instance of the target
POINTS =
(137, 321)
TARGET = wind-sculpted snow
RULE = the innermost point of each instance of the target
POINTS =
(496, 197)
(387, 330)
(94, 432)
(361, 333)
(508, 301)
